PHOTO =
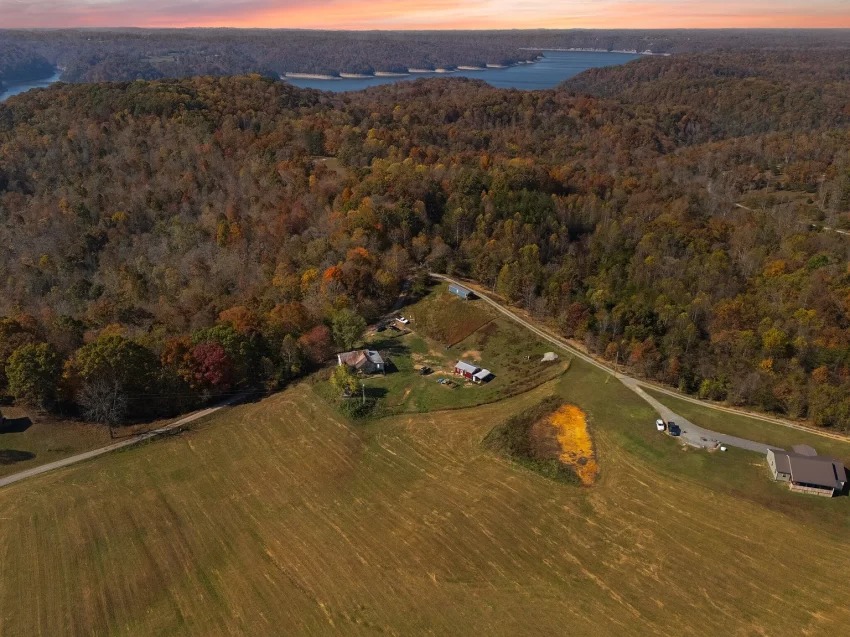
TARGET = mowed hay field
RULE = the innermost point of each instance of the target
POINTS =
(281, 518)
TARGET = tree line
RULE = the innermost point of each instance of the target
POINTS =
(215, 230)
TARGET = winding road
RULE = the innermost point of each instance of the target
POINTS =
(692, 433)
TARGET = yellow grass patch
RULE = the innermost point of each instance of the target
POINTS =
(574, 439)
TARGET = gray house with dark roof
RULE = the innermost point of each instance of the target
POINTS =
(807, 472)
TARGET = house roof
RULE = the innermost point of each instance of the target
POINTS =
(482, 374)
(816, 471)
(466, 367)
(360, 357)
(804, 450)
(783, 463)
(810, 469)
(459, 289)
(374, 356)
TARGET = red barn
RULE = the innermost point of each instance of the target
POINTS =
(465, 369)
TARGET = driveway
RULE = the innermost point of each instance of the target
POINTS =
(694, 434)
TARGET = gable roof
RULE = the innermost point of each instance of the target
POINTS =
(781, 460)
(466, 367)
(810, 468)
(358, 358)
(374, 356)
(482, 374)
(815, 470)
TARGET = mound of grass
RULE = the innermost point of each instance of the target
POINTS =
(513, 438)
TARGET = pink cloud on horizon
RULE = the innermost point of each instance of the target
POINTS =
(427, 14)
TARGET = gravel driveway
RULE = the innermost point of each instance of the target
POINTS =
(691, 433)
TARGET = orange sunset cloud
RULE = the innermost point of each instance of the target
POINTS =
(429, 14)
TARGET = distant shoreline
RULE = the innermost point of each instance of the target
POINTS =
(344, 75)
(584, 50)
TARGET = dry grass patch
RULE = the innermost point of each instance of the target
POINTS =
(576, 446)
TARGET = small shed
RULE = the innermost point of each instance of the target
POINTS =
(462, 368)
(482, 376)
(460, 291)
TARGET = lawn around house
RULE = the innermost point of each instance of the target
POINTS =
(479, 336)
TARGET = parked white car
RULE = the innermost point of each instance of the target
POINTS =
(659, 425)
(403, 320)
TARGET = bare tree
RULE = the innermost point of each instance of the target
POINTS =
(104, 401)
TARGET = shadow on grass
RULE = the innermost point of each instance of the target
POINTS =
(15, 425)
(13, 456)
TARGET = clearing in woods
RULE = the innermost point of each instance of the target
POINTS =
(282, 517)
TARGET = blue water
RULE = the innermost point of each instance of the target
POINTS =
(14, 88)
(554, 68)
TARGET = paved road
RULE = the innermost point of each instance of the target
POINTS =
(94, 453)
(695, 434)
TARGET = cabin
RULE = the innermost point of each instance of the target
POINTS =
(807, 472)
(466, 370)
(460, 291)
(367, 361)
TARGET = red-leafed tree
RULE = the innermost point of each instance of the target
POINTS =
(212, 368)
(317, 344)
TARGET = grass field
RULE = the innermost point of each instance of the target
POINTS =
(280, 517)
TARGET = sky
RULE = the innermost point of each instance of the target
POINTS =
(427, 14)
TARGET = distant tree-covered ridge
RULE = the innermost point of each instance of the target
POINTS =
(178, 240)
(21, 63)
(96, 55)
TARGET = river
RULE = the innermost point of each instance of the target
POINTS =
(13, 88)
(554, 68)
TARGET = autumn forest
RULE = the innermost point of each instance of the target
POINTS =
(167, 242)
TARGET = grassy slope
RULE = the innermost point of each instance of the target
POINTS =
(280, 517)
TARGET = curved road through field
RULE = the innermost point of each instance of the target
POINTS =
(129, 442)
(694, 434)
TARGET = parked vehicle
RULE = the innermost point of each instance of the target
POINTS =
(403, 320)
(659, 425)
(673, 429)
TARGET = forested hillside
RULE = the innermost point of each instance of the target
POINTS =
(18, 63)
(174, 240)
